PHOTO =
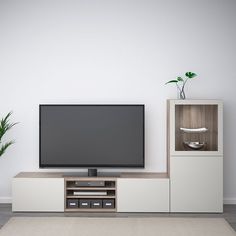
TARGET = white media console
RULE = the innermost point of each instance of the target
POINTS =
(127, 192)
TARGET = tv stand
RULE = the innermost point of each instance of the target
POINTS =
(117, 192)
(92, 172)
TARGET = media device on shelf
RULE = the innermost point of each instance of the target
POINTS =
(91, 136)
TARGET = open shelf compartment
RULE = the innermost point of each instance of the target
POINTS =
(99, 197)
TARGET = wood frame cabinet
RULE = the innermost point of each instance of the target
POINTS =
(196, 173)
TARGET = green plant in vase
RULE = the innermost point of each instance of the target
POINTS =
(181, 82)
(5, 125)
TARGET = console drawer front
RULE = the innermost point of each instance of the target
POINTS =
(38, 194)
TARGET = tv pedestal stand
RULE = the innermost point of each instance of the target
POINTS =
(92, 172)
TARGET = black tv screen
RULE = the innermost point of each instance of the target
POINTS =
(91, 136)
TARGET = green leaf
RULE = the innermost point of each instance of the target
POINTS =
(179, 79)
(172, 81)
(5, 146)
(190, 75)
(5, 125)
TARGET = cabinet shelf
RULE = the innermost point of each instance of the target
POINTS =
(89, 196)
(195, 130)
(90, 188)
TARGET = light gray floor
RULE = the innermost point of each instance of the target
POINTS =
(229, 214)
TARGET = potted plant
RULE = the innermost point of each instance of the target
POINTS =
(180, 83)
(5, 126)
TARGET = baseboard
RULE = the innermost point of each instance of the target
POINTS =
(5, 200)
(228, 201)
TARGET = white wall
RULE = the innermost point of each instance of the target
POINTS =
(113, 51)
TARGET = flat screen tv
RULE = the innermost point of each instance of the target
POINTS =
(91, 136)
